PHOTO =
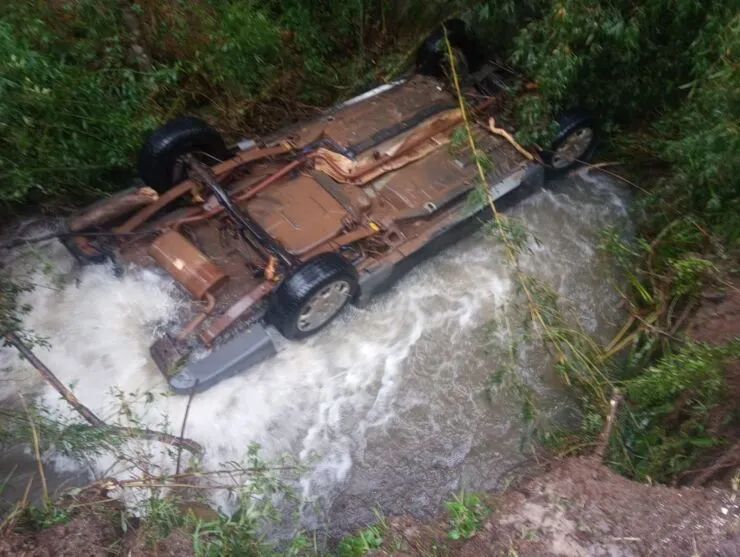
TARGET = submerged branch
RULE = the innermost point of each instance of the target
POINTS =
(146, 434)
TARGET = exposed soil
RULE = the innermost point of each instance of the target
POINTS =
(577, 508)
(717, 321)
(580, 508)
(96, 527)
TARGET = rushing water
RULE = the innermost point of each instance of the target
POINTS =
(388, 405)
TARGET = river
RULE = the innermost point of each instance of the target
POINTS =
(388, 406)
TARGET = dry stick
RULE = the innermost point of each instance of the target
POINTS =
(36, 449)
(729, 459)
(24, 500)
(613, 407)
(59, 235)
(508, 137)
(150, 435)
(620, 335)
(600, 166)
(209, 473)
(90, 417)
(509, 250)
(682, 317)
(8, 523)
(184, 423)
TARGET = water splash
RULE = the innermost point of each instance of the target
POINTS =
(386, 404)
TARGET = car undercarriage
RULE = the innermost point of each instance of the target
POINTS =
(283, 234)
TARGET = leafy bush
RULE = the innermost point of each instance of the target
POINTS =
(83, 81)
(667, 69)
(64, 129)
(662, 76)
(671, 407)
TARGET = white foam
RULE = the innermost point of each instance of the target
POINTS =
(323, 396)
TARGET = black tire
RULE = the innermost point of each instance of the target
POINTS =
(431, 57)
(158, 158)
(289, 300)
(569, 124)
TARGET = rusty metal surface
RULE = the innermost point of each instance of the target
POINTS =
(360, 121)
(299, 213)
(393, 153)
(196, 321)
(187, 264)
(351, 124)
(141, 217)
(236, 311)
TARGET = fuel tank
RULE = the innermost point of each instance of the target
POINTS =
(187, 264)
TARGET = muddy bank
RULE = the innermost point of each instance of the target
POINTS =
(95, 527)
(580, 508)
(717, 321)
(576, 508)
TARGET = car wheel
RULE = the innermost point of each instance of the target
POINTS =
(432, 57)
(312, 296)
(574, 143)
(160, 163)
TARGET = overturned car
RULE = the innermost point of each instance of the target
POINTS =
(282, 232)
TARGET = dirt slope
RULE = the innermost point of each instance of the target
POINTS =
(582, 509)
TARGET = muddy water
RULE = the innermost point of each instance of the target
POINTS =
(387, 406)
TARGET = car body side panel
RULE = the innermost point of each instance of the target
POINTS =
(246, 349)
(382, 277)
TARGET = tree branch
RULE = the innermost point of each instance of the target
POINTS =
(89, 416)
(604, 442)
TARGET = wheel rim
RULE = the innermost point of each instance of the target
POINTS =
(573, 148)
(323, 305)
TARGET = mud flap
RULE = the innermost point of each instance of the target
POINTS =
(247, 349)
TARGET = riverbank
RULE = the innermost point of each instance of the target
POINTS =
(581, 508)
(578, 507)
(573, 506)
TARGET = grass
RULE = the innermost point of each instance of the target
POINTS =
(364, 541)
(466, 513)
(361, 543)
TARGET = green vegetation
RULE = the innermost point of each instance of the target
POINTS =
(685, 390)
(663, 76)
(466, 512)
(362, 542)
(82, 82)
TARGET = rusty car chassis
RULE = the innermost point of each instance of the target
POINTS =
(283, 232)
